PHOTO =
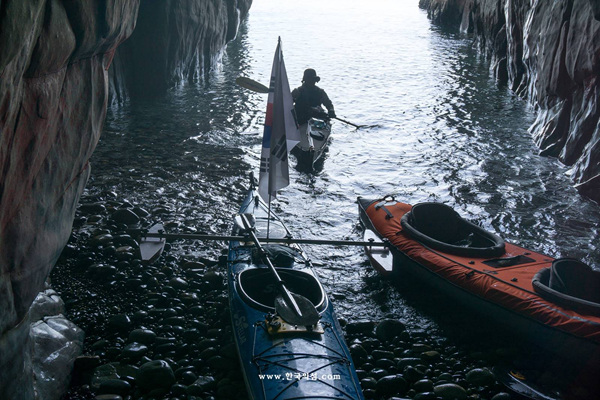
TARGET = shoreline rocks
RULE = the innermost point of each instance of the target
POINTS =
(164, 329)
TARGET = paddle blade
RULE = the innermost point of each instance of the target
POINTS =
(308, 313)
(251, 84)
(152, 247)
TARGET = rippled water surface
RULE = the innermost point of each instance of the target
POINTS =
(442, 131)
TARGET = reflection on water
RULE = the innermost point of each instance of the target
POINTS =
(443, 132)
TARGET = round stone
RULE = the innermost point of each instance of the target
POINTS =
(201, 385)
(178, 283)
(114, 386)
(125, 216)
(391, 385)
(378, 354)
(134, 351)
(450, 391)
(388, 329)
(358, 352)
(119, 323)
(480, 377)
(144, 336)
(422, 386)
(360, 327)
(154, 375)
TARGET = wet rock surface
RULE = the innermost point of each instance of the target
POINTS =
(174, 41)
(547, 52)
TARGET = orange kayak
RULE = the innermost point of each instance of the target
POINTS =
(514, 286)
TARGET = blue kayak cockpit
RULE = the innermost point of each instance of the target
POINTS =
(258, 289)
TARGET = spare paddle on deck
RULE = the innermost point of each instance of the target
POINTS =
(293, 308)
(152, 233)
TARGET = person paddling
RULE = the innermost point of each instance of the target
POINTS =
(308, 99)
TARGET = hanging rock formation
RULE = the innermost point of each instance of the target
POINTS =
(54, 88)
(174, 41)
(549, 52)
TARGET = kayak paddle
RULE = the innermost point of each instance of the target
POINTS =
(293, 308)
(251, 84)
(258, 87)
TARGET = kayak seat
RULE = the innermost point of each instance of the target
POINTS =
(571, 283)
(317, 135)
(280, 255)
(438, 226)
(258, 289)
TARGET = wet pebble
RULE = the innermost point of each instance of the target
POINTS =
(125, 216)
(388, 329)
(368, 383)
(214, 279)
(201, 385)
(391, 385)
(413, 374)
(108, 397)
(426, 396)
(405, 362)
(378, 354)
(92, 208)
(423, 385)
(114, 386)
(155, 375)
(430, 356)
(178, 283)
(358, 352)
(450, 391)
(480, 377)
(119, 323)
(101, 240)
(360, 327)
(134, 351)
(144, 336)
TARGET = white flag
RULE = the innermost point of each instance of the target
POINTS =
(281, 132)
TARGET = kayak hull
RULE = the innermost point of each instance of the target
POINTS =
(281, 361)
(503, 295)
(315, 136)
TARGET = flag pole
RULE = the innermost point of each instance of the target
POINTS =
(269, 216)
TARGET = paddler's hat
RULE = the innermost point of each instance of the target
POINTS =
(310, 75)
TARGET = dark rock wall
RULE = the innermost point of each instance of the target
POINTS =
(174, 41)
(549, 52)
(54, 57)
(54, 89)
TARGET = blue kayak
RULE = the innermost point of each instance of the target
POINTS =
(280, 360)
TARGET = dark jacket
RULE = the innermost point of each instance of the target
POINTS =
(305, 98)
